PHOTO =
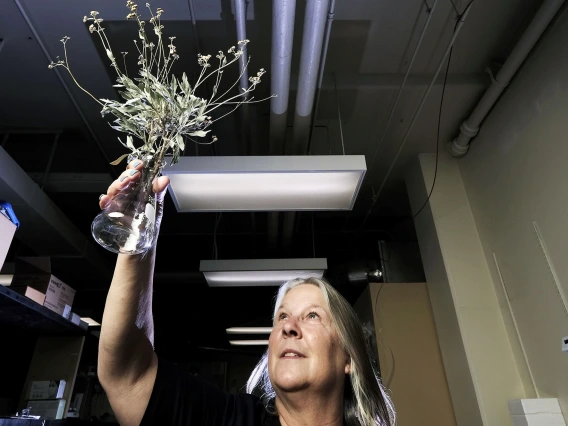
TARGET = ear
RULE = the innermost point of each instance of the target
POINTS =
(348, 366)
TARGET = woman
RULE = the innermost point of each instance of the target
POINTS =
(316, 371)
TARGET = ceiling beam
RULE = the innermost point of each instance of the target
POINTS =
(74, 182)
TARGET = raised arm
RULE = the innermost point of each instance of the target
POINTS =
(127, 364)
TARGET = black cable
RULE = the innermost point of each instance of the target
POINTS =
(455, 8)
(438, 131)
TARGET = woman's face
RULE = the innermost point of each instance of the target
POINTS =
(304, 348)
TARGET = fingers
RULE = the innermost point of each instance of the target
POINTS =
(130, 175)
(161, 184)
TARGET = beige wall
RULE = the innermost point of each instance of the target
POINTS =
(516, 178)
(480, 362)
(404, 325)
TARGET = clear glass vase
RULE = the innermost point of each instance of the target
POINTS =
(128, 224)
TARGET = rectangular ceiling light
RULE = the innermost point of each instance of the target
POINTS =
(270, 183)
(260, 272)
(248, 342)
(249, 330)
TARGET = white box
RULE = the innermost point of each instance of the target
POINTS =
(47, 389)
(7, 231)
(538, 420)
(31, 293)
(47, 410)
(534, 406)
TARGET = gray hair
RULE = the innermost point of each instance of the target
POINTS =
(365, 401)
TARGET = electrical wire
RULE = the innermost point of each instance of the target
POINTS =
(215, 251)
(339, 114)
(438, 130)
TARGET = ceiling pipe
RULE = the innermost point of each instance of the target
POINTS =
(310, 61)
(470, 127)
(330, 16)
(316, 16)
(283, 15)
(461, 21)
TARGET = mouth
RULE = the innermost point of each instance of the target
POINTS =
(291, 354)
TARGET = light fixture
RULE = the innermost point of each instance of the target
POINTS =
(91, 322)
(271, 183)
(260, 272)
(249, 330)
(6, 279)
(248, 342)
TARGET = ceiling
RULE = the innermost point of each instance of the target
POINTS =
(370, 46)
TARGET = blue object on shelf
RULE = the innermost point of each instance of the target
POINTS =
(7, 210)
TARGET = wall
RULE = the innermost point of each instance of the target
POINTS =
(478, 356)
(406, 333)
(516, 178)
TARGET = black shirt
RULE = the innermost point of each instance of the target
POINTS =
(180, 399)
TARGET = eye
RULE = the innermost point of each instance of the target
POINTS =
(313, 315)
(282, 316)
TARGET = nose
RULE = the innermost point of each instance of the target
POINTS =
(291, 328)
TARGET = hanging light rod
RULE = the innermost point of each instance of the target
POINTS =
(248, 342)
(271, 183)
(260, 272)
(249, 330)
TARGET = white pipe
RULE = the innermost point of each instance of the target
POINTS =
(330, 16)
(310, 59)
(284, 12)
(417, 112)
(283, 15)
(470, 127)
(241, 20)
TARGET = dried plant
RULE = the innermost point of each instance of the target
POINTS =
(159, 109)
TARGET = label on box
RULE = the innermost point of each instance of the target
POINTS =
(47, 389)
(67, 312)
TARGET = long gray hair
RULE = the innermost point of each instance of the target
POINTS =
(365, 401)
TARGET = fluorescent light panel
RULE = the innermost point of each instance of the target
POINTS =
(249, 330)
(260, 272)
(248, 342)
(91, 322)
(271, 183)
(6, 279)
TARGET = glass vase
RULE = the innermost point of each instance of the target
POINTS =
(128, 224)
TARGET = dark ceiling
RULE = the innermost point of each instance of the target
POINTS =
(369, 49)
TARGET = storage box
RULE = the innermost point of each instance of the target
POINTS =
(30, 292)
(36, 272)
(47, 389)
(7, 231)
(47, 410)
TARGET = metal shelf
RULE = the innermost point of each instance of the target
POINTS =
(22, 313)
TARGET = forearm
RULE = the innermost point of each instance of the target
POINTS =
(127, 333)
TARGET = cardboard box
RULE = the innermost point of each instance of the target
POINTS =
(30, 292)
(36, 272)
(7, 231)
(47, 410)
(47, 389)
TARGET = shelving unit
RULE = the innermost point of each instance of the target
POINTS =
(20, 312)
